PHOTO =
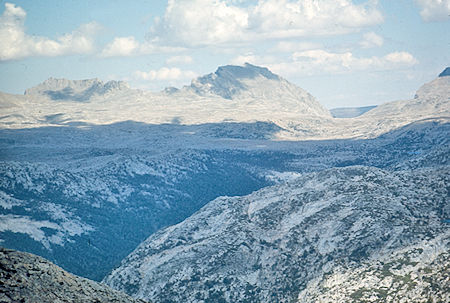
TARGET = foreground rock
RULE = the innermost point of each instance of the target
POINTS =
(28, 278)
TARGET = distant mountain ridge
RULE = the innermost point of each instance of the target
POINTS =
(76, 90)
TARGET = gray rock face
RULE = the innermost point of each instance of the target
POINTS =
(418, 273)
(28, 278)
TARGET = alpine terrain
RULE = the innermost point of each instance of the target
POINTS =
(239, 187)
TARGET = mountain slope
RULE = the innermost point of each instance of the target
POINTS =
(266, 246)
(28, 278)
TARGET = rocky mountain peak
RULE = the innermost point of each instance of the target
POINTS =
(230, 80)
(76, 90)
(438, 89)
(227, 81)
(250, 82)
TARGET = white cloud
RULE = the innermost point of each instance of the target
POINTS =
(129, 46)
(370, 40)
(200, 22)
(165, 74)
(401, 58)
(284, 18)
(290, 46)
(212, 22)
(434, 10)
(121, 46)
(242, 59)
(16, 44)
(179, 60)
(316, 62)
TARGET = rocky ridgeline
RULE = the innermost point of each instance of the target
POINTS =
(28, 278)
(75, 90)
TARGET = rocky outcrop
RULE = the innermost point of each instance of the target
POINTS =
(28, 278)
(445, 72)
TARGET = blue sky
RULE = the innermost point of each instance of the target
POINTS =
(346, 53)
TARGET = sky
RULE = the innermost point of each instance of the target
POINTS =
(344, 52)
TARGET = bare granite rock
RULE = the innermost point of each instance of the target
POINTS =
(28, 278)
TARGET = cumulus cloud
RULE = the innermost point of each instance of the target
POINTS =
(165, 74)
(16, 44)
(242, 59)
(434, 10)
(370, 40)
(212, 22)
(121, 46)
(179, 60)
(291, 46)
(200, 22)
(314, 62)
(129, 46)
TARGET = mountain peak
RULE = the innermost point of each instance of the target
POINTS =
(229, 80)
(76, 90)
(257, 84)
(445, 72)
(247, 71)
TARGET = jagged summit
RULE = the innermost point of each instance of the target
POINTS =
(229, 80)
(76, 90)
(445, 72)
(438, 89)
(259, 84)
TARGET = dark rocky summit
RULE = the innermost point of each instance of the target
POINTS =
(28, 278)
(445, 73)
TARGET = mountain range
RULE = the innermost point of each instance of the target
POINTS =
(238, 188)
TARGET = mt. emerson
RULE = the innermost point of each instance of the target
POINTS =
(240, 187)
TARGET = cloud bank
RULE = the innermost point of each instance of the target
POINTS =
(319, 61)
(16, 44)
(196, 23)
(434, 10)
